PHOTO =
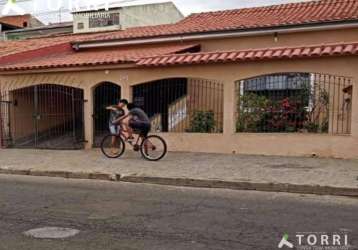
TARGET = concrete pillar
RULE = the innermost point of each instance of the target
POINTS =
(355, 107)
(88, 119)
(229, 108)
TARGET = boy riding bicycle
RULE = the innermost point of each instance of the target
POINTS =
(117, 111)
(138, 121)
(152, 147)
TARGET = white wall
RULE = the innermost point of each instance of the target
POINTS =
(132, 16)
(150, 14)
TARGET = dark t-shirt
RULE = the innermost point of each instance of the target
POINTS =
(115, 114)
(139, 115)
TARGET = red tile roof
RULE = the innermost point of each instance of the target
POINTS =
(58, 49)
(287, 14)
(70, 58)
(252, 55)
(313, 12)
(13, 47)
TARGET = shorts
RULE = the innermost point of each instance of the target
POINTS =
(141, 128)
(114, 129)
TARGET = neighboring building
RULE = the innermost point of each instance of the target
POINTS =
(250, 81)
(21, 21)
(94, 21)
(126, 17)
(41, 31)
(4, 27)
(10, 23)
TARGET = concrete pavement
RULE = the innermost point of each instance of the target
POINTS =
(124, 216)
(284, 174)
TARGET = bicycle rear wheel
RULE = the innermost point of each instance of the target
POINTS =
(153, 148)
(113, 146)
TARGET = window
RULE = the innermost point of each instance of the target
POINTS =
(104, 20)
(80, 26)
(294, 103)
(182, 105)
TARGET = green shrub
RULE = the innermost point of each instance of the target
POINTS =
(202, 122)
(252, 112)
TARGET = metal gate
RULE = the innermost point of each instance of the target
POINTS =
(4, 121)
(105, 94)
(43, 116)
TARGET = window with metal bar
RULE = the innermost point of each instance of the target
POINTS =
(180, 105)
(294, 103)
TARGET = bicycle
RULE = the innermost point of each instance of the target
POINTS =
(152, 147)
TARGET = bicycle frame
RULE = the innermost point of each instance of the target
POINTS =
(122, 132)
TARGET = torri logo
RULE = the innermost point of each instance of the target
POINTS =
(284, 242)
(312, 241)
(13, 7)
(10, 7)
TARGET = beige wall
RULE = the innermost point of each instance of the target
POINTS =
(288, 40)
(229, 141)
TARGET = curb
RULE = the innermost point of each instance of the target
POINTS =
(63, 174)
(265, 187)
(195, 183)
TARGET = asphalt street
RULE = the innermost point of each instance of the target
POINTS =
(149, 217)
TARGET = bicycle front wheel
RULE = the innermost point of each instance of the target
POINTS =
(153, 148)
(113, 146)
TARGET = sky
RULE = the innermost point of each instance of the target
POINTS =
(41, 8)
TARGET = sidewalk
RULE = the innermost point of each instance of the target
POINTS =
(284, 174)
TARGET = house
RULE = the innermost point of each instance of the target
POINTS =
(40, 31)
(276, 80)
(124, 17)
(21, 21)
(9, 23)
(101, 20)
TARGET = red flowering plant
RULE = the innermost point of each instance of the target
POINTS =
(285, 116)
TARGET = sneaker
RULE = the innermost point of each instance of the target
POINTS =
(114, 151)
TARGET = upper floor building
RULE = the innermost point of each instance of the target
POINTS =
(126, 17)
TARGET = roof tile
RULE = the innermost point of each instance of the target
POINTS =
(337, 50)
(287, 53)
(296, 52)
(99, 57)
(327, 51)
(340, 49)
(323, 11)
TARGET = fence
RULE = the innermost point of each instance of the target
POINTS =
(182, 105)
(4, 120)
(42, 116)
(294, 102)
